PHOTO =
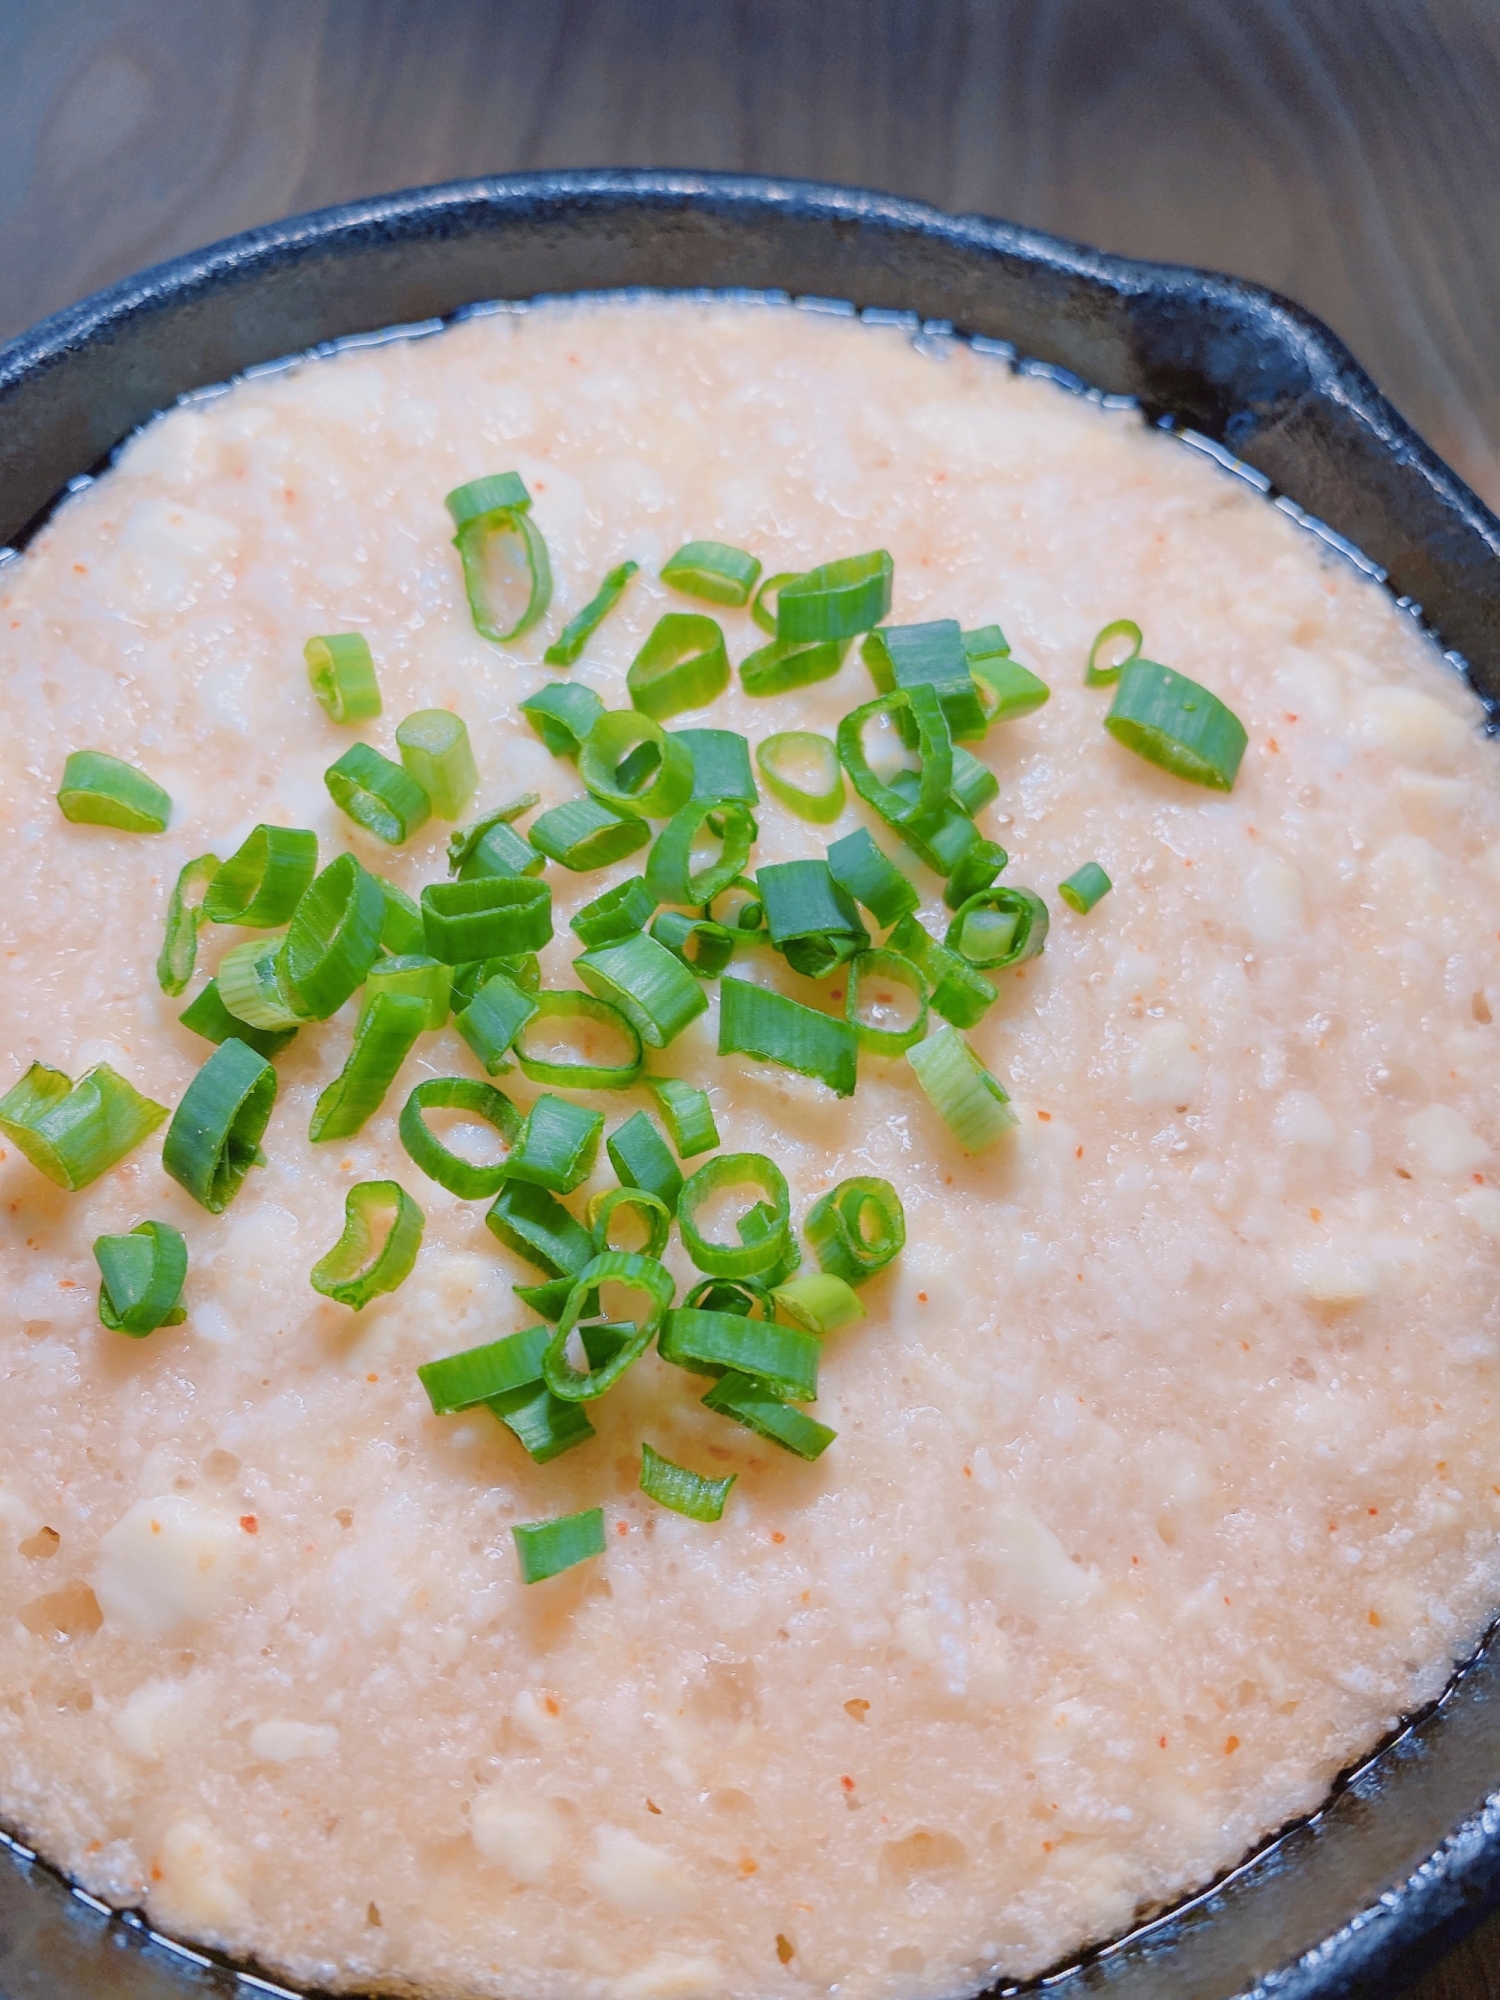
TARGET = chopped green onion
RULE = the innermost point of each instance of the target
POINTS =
(1006, 688)
(563, 716)
(382, 1235)
(885, 965)
(901, 656)
(383, 1038)
(252, 985)
(492, 1020)
(670, 872)
(746, 913)
(685, 1492)
(721, 766)
(654, 990)
(856, 1228)
(655, 1215)
(998, 928)
(501, 550)
(785, 664)
(756, 1022)
(682, 665)
(263, 880)
(977, 868)
(493, 916)
(214, 1138)
(687, 1113)
(570, 1006)
(959, 993)
(179, 949)
(819, 1303)
(1119, 644)
(864, 872)
(402, 931)
(703, 946)
(584, 833)
(426, 979)
(920, 705)
(459, 1176)
(973, 785)
(459, 1381)
(802, 770)
(74, 1132)
(558, 1145)
(838, 600)
(469, 842)
(618, 1267)
(640, 1157)
(545, 1425)
(523, 969)
(619, 913)
(530, 1221)
(334, 936)
(209, 1017)
(548, 1299)
(377, 794)
(141, 1279)
(99, 790)
(1172, 722)
(942, 842)
(766, 1242)
(986, 642)
(548, 1547)
(714, 570)
(342, 675)
(969, 1100)
(749, 1297)
(714, 1343)
(581, 627)
(435, 749)
(763, 609)
(1084, 887)
(811, 919)
(630, 763)
(747, 1402)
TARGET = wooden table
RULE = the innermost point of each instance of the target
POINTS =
(1343, 151)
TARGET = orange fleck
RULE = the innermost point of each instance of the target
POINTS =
(921, 1298)
(652, 1807)
(1078, 1152)
(249, 1523)
(1231, 1744)
(857, 1708)
(1372, 1510)
(155, 1872)
(1316, 1214)
(847, 1783)
(1333, 1527)
(552, 1705)
(1046, 1847)
(1272, 745)
(777, 1536)
(1374, 1617)
(1289, 718)
(1045, 1116)
(1479, 1180)
(1228, 1600)
(82, 568)
(968, 1472)
(748, 1865)
(372, 1378)
(622, 1527)
(1161, 1742)
(785, 1950)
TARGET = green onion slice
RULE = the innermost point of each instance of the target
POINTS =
(464, 1178)
(575, 1074)
(712, 570)
(459, 1381)
(581, 627)
(671, 873)
(642, 1160)
(977, 868)
(502, 553)
(618, 1267)
(533, 1223)
(262, 882)
(750, 1404)
(756, 1022)
(856, 1228)
(973, 785)
(342, 675)
(767, 1240)
(563, 716)
(739, 908)
(492, 1020)
(141, 1279)
(687, 1114)
(785, 664)
(383, 1038)
(545, 1425)
(252, 985)
(463, 844)
(377, 794)
(654, 990)
(99, 790)
(546, 1548)
(1112, 651)
(941, 842)
(558, 1145)
(493, 916)
(1006, 688)
(969, 1100)
(209, 1017)
(435, 749)
(214, 1138)
(703, 946)
(838, 600)
(986, 642)
(920, 705)
(867, 973)
(1172, 722)
(584, 833)
(619, 913)
(334, 936)
(810, 918)
(523, 970)
(685, 1492)
(401, 928)
(630, 763)
(548, 1298)
(998, 928)
(413, 973)
(820, 1303)
(682, 665)
(74, 1132)
(1084, 887)
(382, 1235)
(713, 1343)
(656, 1217)
(763, 609)
(802, 770)
(721, 765)
(749, 1297)
(499, 850)
(959, 993)
(865, 873)
(902, 656)
(179, 948)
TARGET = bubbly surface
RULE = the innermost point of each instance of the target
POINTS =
(1168, 1466)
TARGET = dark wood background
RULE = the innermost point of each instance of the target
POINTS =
(1346, 152)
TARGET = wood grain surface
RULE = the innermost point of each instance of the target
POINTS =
(1343, 151)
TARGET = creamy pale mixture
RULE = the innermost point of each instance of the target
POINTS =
(1168, 1466)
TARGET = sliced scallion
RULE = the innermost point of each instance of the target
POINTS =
(377, 794)
(920, 705)
(533, 1223)
(1084, 887)
(502, 552)
(820, 1303)
(581, 1075)
(546, 1548)
(721, 765)
(856, 1228)
(654, 990)
(766, 1242)
(208, 1016)
(998, 928)
(867, 972)
(342, 675)
(738, 908)
(252, 984)
(610, 1267)
(810, 917)
(382, 1235)
(682, 665)
(179, 948)
(751, 1404)
(959, 993)
(619, 913)
(1006, 688)
(543, 1423)
(712, 570)
(458, 1381)
(435, 749)
(558, 1145)
(802, 770)
(1176, 724)
(505, 859)
(756, 1022)
(687, 1114)
(678, 872)
(973, 785)
(440, 1163)
(214, 1138)
(1113, 650)
(784, 664)
(969, 1100)
(631, 763)
(568, 646)
(977, 868)
(383, 1038)
(838, 600)
(865, 873)
(74, 1132)
(402, 931)
(141, 1279)
(563, 716)
(655, 1216)
(426, 979)
(583, 834)
(334, 936)
(262, 882)
(493, 916)
(685, 1492)
(100, 790)
(703, 946)
(763, 608)
(640, 1157)
(901, 656)
(494, 1017)
(784, 1358)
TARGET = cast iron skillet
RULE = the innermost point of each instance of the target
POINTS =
(1406, 1857)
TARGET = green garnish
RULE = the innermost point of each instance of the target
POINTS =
(682, 665)
(640, 1157)
(838, 600)
(999, 928)
(342, 676)
(712, 570)
(1177, 725)
(581, 627)
(802, 770)
(214, 1138)
(754, 1021)
(765, 1243)
(1112, 651)
(856, 1228)
(435, 749)
(470, 1182)
(384, 1037)
(141, 1279)
(581, 1075)
(494, 1017)
(99, 790)
(864, 872)
(970, 1101)
(382, 1235)
(869, 969)
(630, 763)
(74, 1132)
(377, 794)
(1084, 887)
(501, 551)
(546, 1548)
(654, 990)
(493, 916)
(685, 1492)
(558, 1145)
(263, 881)
(179, 948)
(583, 834)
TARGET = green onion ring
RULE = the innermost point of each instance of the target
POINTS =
(435, 751)
(215, 1134)
(842, 1242)
(781, 757)
(818, 1302)
(458, 1093)
(970, 1101)
(682, 665)
(880, 964)
(712, 570)
(563, 716)
(360, 1267)
(685, 1492)
(721, 766)
(377, 794)
(489, 916)
(763, 608)
(616, 764)
(100, 790)
(618, 913)
(334, 936)
(342, 675)
(670, 874)
(252, 985)
(583, 834)
(493, 1018)
(838, 600)
(1123, 631)
(568, 1005)
(782, 666)
(624, 1267)
(384, 1036)
(687, 1114)
(74, 1132)
(1177, 725)
(655, 990)
(977, 868)
(1015, 919)
(1084, 888)
(179, 948)
(141, 1279)
(642, 1159)
(558, 1145)
(866, 873)
(482, 511)
(703, 946)
(547, 1548)
(785, 1359)
(755, 1021)
(749, 1297)
(736, 1260)
(935, 749)
(263, 881)
(748, 1402)
(654, 1212)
